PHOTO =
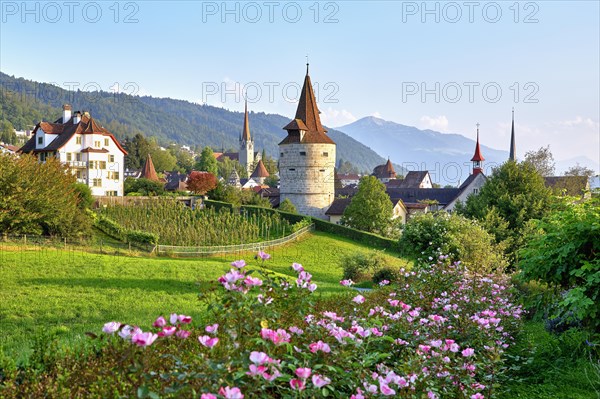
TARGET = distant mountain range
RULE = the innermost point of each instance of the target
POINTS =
(24, 103)
(446, 156)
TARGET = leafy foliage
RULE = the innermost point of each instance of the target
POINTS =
(201, 182)
(541, 160)
(287, 206)
(144, 187)
(564, 250)
(39, 198)
(207, 162)
(428, 235)
(370, 209)
(511, 196)
(360, 266)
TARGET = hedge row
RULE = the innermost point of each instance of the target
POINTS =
(362, 237)
(115, 230)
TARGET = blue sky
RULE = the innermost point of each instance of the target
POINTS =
(410, 62)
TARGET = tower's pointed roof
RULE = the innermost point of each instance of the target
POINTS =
(307, 119)
(477, 156)
(148, 171)
(260, 170)
(513, 145)
(246, 129)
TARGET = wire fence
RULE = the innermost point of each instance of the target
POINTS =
(200, 251)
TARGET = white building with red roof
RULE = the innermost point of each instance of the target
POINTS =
(79, 141)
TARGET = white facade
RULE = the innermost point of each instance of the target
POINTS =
(95, 158)
(473, 188)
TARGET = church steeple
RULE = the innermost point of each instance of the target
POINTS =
(246, 130)
(513, 145)
(477, 157)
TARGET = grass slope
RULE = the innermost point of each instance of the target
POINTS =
(71, 292)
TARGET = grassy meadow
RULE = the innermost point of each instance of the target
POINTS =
(70, 292)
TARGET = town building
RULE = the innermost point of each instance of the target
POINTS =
(79, 141)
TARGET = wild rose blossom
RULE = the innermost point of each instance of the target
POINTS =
(238, 264)
(320, 381)
(319, 346)
(263, 255)
(297, 384)
(231, 393)
(160, 322)
(111, 327)
(347, 283)
(182, 334)
(297, 267)
(144, 338)
(358, 299)
(208, 341)
(303, 372)
(167, 331)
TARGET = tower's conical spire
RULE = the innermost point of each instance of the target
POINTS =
(246, 130)
(307, 110)
(513, 145)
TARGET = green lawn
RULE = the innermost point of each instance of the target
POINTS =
(73, 291)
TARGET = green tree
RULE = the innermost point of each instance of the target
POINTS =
(579, 170)
(563, 251)
(542, 161)
(370, 209)
(137, 150)
(272, 181)
(287, 206)
(7, 133)
(84, 194)
(163, 160)
(511, 196)
(39, 198)
(207, 162)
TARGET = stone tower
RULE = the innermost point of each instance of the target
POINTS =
(307, 159)
(246, 157)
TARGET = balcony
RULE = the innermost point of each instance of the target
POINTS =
(84, 181)
(77, 164)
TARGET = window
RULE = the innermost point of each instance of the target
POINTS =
(475, 191)
(321, 170)
(303, 153)
(77, 156)
(79, 174)
(97, 144)
(113, 175)
(102, 164)
(68, 156)
(325, 154)
(292, 169)
(97, 182)
(40, 140)
(77, 139)
(111, 193)
(111, 158)
(281, 155)
(106, 142)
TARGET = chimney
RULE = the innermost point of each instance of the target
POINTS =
(76, 117)
(66, 113)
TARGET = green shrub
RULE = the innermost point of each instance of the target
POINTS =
(563, 251)
(429, 235)
(386, 273)
(360, 266)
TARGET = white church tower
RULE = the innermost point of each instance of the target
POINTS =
(246, 156)
(307, 159)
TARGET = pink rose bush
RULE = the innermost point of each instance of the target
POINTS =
(439, 332)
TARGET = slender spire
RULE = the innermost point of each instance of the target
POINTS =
(513, 145)
(477, 157)
(246, 130)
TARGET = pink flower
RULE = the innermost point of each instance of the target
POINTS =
(454, 347)
(319, 381)
(358, 299)
(212, 329)
(383, 283)
(385, 389)
(258, 357)
(436, 343)
(468, 352)
(256, 370)
(111, 327)
(208, 341)
(173, 319)
(231, 393)
(297, 384)
(253, 281)
(231, 277)
(184, 319)
(277, 337)
(303, 372)
(263, 255)
(144, 338)
(160, 322)
(238, 263)
(183, 334)
(319, 346)
(312, 287)
(347, 283)
(207, 396)
(297, 267)
(296, 330)
(167, 331)
(431, 395)
(128, 332)
(477, 396)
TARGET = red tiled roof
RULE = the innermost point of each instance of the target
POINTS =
(307, 119)
(148, 171)
(260, 170)
(87, 125)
